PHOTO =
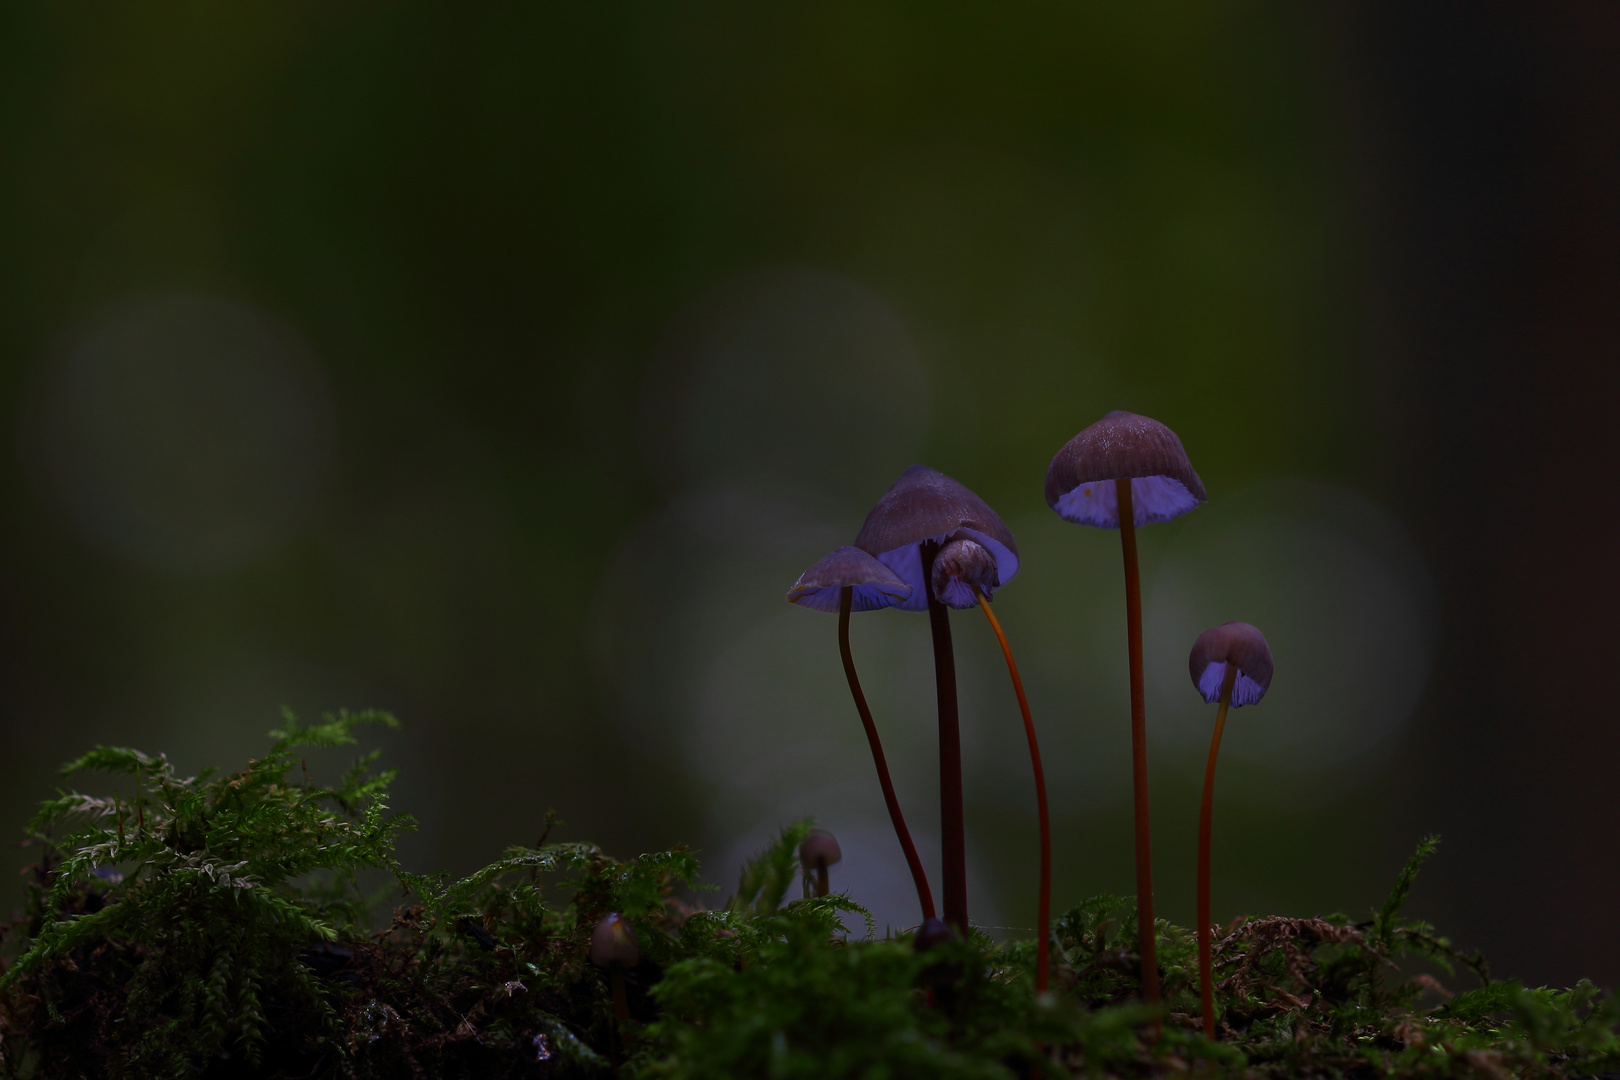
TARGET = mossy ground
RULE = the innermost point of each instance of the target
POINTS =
(215, 926)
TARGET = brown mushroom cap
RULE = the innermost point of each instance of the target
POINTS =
(819, 849)
(614, 942)
(926, 505)
(960, 565)
(1237, 644)
(872, 584)
(1122, 445)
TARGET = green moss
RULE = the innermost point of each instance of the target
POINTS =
(216, 926)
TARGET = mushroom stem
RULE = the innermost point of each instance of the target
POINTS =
(621, 1004)
(1206, 974)
(822, 885)
(1044, 914)
(925, 896)
(1146, 945)
(952, 826)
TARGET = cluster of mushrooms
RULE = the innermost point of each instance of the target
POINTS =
(931, 545)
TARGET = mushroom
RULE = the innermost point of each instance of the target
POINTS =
(964, 575)
(1230, 664)
(818, 851)
(851, 580)
(614, 947)
(922, 512)
(1123, 471)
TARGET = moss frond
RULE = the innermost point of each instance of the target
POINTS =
(214, 925)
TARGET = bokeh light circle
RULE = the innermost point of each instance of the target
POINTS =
(1343, 599)
(185, 432)
(786, 376)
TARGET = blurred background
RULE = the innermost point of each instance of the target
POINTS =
(503, 368)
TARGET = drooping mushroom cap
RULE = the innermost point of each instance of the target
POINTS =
(1236, 644)
(614, 942)
(926, 505)
(873, 585)
(819, 849)
(1119, 446)
(960, 565)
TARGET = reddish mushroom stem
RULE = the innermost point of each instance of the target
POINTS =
(1044, 913)
(952, 823)
(621, 1003)
(1146, 944)
(925, 896)
(1206, 974)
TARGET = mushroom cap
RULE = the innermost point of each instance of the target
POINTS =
(927, 505)
(959, 566)
(1119, 446)
(1238, 644)
(614, 942)
(819, 849)
(873, 585)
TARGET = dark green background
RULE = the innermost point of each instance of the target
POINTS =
(1267, 224)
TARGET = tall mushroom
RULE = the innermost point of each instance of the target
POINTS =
(1123, 471)
(923, 511)
(851, 580)
(1230, 664)
(964, 575)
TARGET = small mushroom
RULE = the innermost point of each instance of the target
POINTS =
(964, 570)
(965, 575)
(1230, 664)
(931, 933)
(871, 585)
(851, 580)
(918, 515)
(1123, 471)
(614, 947)
(817, 852)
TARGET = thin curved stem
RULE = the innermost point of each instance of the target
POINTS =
(925, 896)
(952, 823)
(1147, 946)
(1206, 972)
(1044, 915)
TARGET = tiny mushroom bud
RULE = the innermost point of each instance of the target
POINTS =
(613, 943)
(1230, 664)
(1123, 471)
(613, 946)
(958, 568)
(817, 852)
(1233, 646)
(847, 580)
